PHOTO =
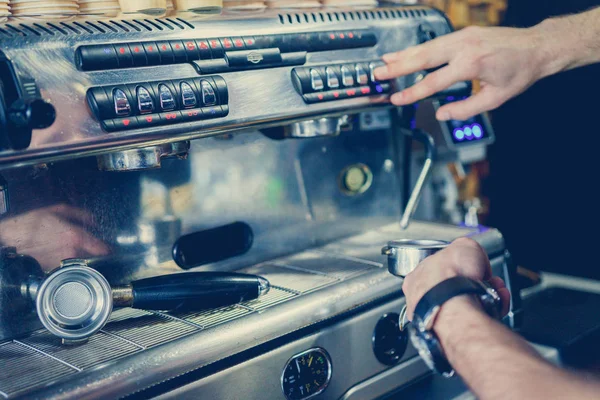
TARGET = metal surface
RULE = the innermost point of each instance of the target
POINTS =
(263, 97)
(3, 196)
(317, 127)
(403, 256)
(146, 158)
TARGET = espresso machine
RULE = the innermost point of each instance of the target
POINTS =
(151, 148)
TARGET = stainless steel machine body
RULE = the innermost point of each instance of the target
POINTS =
(322, 198)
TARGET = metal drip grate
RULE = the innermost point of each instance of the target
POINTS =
(293, 279)
(40, 359)
(146, 329)
(210, 318)
(23, 368)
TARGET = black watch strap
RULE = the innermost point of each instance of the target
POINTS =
(444, 291)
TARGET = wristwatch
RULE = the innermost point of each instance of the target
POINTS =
(422, 335)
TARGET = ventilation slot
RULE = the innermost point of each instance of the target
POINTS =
(97, 27)
(388, 13)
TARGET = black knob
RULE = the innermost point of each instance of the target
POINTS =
(26, 115)
(389, 342)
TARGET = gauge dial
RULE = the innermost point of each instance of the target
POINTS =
(306, 374)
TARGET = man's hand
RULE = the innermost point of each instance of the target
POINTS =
(464, 257)
(506, 61)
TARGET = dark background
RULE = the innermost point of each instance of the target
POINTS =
(544, 167)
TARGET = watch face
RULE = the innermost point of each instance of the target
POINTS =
(421, 345)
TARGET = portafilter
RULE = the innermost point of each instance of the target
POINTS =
(75, 301)
(406, 254)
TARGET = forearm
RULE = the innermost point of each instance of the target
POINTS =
(498, 364)
(569, 42)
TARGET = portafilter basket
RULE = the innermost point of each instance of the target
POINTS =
(405, 255)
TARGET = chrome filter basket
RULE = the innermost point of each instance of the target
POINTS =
(405, 255)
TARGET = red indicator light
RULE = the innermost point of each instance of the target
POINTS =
(203, 45)
(122, 50)
(351, 92)
(239, 43)
(192, 113)
(136, 49)
(351, 35)
(150, 48)
(365, 90)
(227, 43)
(164, 47)
(171, 116)
(126, 122)
(331, 36)
(214, 44)
(177, 46)
(191, 45)
(342, 36)
(320, 96)
(149, 119)
(336, 94)
(250, 41)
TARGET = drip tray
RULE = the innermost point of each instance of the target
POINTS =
(40, 359)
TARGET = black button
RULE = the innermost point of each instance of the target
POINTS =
(222, 89)
(301, 80)
(138, 54)
(250, 58)
(313, 41)
(238, 43)
(188, 97)
(171, 117)
(250, 42)
(326, 41)
(193, 114)
(209, 95)
(224, 110)
(100, 103)
(322, 97)
(149, 120)
(96, 57)
(211, 66)
(216, 48)
(297, 58)
(227, 44)
(191, 49)
(214, 112)
(389, 342)
(266, 42)
(124, 55)
(152, 53)
(204, 49)
(365, 38)
(108, 125)
(300, 42)
(283, 42)
(166, 53)
(165, 100)
(178, 51)
(121, 124)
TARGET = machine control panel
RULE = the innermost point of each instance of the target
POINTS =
(241, 52)
(307, 374)
(460, 134)
(337, 82)
(147, 104)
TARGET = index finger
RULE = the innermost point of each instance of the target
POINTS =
(429, 55)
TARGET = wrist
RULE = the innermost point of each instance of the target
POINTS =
(456, 317)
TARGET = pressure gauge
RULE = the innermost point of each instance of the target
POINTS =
(306, 374)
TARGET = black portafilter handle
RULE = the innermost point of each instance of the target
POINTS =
(212, 245)
(190, 290)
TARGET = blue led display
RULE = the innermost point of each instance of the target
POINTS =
(468, 132)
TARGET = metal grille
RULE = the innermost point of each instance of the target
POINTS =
(210, 318)
(146, 329)
(23, 367)
(275, 296)
(341, 16)
(292, 279)
(320, 263)
(99, 348)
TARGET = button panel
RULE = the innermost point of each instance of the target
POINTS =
(139, 54)
(355, 82)
(148, 104)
